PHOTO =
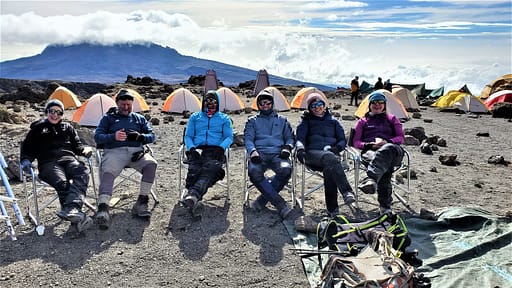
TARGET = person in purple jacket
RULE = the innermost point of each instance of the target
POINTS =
(379, 135)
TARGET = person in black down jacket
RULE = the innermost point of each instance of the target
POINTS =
(320, 139)
(55, 144)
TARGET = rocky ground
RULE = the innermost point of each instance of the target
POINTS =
(231, 246)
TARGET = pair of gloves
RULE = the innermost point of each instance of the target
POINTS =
(284, 154)
(301, 153)
(135, 136)
(193, 154)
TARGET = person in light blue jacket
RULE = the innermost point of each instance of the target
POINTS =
(269, 140)
(208, 134)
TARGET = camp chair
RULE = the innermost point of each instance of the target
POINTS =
(401, 190)
(128, 175)
(9, 198)
(36, 200)
(349, 162)
(248, 185)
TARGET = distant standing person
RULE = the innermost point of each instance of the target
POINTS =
(388, 85)
(354, 88)
(378, 85)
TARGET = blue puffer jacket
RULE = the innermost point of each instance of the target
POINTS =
(268, 133)
(314, 133)
(113, 121)
(216, 130)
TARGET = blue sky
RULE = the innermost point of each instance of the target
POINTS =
(441, 43)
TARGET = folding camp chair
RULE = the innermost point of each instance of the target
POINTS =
(248, 185)
(36, 200)
(349, 163)
(9, 198)
(183, 168)
(402, 189)
(128, 175)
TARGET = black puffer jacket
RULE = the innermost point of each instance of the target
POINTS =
(47, 142)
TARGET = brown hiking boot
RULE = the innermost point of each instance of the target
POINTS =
(140, 208)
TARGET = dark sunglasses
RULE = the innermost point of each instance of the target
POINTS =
(53, 111)
(378, 102)
(210, 101)
(316, 104)
(265, 103)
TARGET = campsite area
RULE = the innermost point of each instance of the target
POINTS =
(230, 245)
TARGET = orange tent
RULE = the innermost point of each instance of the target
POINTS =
(66, 96)
(181, 100)
(501, 83)
(229, 100)
(299, 100)
(139, 104)
(280, 102)
(91, 111)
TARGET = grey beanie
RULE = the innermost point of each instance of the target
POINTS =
(53, 102)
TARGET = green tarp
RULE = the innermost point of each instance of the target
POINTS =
(463, 248)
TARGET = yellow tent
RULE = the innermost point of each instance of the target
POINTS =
(66, 96)
(501, 83)
(139, 104)
(229, 100)
(299, 100)
(463, 101)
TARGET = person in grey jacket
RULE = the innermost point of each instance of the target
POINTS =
(122, 133)
(269, 141)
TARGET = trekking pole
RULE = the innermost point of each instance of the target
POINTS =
(312, 252)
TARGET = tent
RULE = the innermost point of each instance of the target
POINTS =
(280, 101)
(210, 81)
(406, 97)
(66, 96)
(181, 100)
(501, 83)
(139, 104)
(365, 87)
(393, 106)
(229, 100)
(497, 97)
(91, 111)
(299, 100)
(458, 100)
(436, 93)
(261, 82)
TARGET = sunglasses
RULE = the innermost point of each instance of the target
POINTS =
(378, 102)
(210, 101)
(265, 103)
(316, 104)
(57, 112)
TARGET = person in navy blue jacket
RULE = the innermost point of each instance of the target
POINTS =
(123, 133)
(208, 134)
(269, 140)
(320, 139)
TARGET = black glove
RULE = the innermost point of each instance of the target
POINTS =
(193, 154)
(301, 155)
(335, 150)
(26, 165)
(135, 136)
(255, 157)
(285, 152)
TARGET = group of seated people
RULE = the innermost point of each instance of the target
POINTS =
(269, 143)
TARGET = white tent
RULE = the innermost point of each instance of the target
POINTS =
(406, 97)
(229, 100)
(181, 100)
(91, 111)
(280, 101)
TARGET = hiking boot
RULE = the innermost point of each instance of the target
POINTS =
(71, 214)
(190, 201)
(385, 210)
(103, 217)
(368, 186)
(349, 197)
(285, 211)
(140, 208)
(84, 224)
